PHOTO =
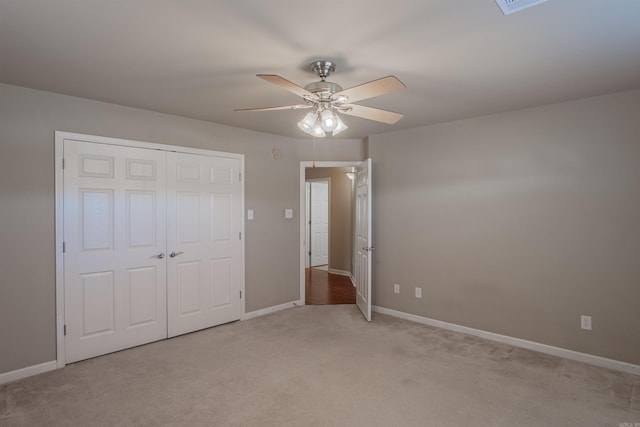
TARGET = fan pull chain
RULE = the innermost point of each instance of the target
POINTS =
(314, 151)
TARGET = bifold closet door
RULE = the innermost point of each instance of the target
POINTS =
(204, 267)
(152, 245)
(115, 240)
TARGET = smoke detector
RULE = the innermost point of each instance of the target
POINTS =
(510, 6)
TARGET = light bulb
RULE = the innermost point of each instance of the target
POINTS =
(328, 120)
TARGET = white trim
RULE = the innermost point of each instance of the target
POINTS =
(60, 136)
(307, 226)
(59, 238)
(29, 371)
(303, 210)
(269, 310)
(243, 239)
(517, 342)
(340, 272)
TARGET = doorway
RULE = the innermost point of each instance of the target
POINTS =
(329, 235)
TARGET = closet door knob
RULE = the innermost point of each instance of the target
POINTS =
(158, 255)
(175, 254)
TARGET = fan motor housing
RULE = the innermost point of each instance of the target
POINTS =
(323, 89)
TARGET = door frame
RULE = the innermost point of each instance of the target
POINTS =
(303, 211)
(308, 204)
(60, 136)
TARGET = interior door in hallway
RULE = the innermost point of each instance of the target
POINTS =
(115, 236)
(363, 247)
(319, 222)
(203, 242)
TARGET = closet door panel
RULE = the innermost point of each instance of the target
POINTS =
(114, 229)
(203, 224)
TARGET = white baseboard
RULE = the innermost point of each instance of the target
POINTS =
(270, 310)
(517, 342)
(340, 272)
(29, 371)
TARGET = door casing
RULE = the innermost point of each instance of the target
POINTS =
(303, 211)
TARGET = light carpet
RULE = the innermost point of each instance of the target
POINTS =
(324, 366)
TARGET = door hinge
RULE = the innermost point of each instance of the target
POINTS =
(239, 176)
(240, 294)
(63, 163)
(65, 330)
(64, 247)
(240, 235)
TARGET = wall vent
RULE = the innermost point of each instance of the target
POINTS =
(510, 6)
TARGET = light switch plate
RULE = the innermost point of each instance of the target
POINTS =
(288, 213)
(585, 322)
(250, 214)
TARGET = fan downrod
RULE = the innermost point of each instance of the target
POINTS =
(323, 68)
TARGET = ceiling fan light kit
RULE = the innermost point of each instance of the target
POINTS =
(327, 99)
(308, 123)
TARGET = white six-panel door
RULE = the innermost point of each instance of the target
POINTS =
(204, 267)
(363, 246)
(152, 245)
(114, 233)
(319, 223)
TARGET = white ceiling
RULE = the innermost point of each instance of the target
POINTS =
(198, 58)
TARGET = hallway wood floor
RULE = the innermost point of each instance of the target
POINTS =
(323, 287)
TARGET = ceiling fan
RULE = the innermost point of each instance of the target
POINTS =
(326, 99)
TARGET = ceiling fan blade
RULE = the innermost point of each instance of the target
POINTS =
(284, 107)
(369, 113)
(286, 84)
(369, 90)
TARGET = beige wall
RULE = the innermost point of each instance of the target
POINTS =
(341, 217)
(517, 223)
(28, 119)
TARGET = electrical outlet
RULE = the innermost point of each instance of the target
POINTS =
(418, 292)
(585, 322)
(396, 288)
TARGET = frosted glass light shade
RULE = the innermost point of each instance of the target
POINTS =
(340, 126)
(328, 120)
(318, 131)
(318, 123)
(308, 123)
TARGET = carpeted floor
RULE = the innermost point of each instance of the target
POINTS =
(324, 366)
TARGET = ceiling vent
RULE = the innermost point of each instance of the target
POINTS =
(510, 6)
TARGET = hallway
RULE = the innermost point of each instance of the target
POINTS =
(323, 287)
